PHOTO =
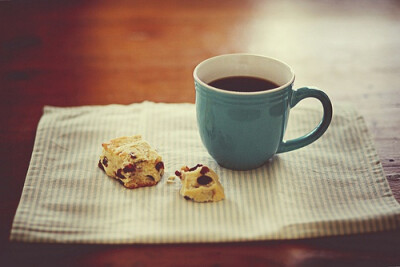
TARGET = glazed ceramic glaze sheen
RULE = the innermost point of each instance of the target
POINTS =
(243, 130)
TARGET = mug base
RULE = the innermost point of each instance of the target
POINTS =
(238, 167)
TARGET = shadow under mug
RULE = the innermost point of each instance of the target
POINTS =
(243, 130)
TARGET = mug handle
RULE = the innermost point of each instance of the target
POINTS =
(318, 131)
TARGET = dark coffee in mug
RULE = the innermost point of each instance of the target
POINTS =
(243, 84)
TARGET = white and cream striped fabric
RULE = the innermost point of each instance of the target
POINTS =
(335, 186)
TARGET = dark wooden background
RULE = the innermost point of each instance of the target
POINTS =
(70, 53)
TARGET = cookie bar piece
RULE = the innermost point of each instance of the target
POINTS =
(132, 161)
(200, 184)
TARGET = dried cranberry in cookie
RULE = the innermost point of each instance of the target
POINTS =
(204, 170)
(100, 165)
(204, 180)
(195, 167)
(159, 166)
(132, 161)
(105, 161)
(130, 168)
(119, 174)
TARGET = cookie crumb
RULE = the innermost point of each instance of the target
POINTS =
(171, 179)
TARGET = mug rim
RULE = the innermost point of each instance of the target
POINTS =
(197, 79)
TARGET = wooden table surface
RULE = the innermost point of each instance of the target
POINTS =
(70, 53)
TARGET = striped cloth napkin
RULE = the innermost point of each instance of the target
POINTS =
(336, 186)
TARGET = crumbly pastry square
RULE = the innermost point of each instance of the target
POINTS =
(200, 184)
(132, 161)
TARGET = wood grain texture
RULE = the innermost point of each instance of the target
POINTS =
(70, 53)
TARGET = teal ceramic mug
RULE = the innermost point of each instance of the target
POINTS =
(243, 130)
